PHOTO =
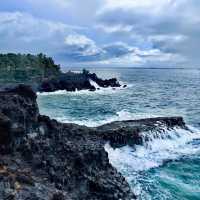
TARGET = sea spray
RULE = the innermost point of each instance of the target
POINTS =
(93, 83)
(160, 148)
(101, 91)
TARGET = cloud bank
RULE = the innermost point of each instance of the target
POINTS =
(148, 33)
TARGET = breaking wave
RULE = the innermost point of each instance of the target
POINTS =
(119, 116)
(161, 147)
(100, 90)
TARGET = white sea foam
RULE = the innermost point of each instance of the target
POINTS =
(94, 84)
(168, 145)
(58, 92)
(100, 90)
(120, 116)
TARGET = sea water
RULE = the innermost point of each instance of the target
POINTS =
(164, 167)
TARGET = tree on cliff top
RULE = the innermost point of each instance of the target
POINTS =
(27, 66)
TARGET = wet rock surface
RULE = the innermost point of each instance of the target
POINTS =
(42, 159)
(46, 160)
(104, 83)
(69, 81)
(134, 132)
(76, 81)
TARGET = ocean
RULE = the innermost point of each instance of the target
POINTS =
(165, 168)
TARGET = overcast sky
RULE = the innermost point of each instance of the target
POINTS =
(137, 33)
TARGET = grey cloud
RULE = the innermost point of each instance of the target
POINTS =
(86, 50)
(21, 32)
(162, 32)
(174, 29)
(117, 49)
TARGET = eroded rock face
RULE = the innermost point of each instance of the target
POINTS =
(43, 159)
(104, 83)
(76, 81)
(132, 132)
(18, 114)
(46, 160)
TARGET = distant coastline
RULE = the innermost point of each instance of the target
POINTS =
(43, 75)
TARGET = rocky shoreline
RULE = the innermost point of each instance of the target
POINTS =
(71, 81)
(42, 159)
(43, 75)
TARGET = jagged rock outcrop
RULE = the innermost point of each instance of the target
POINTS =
(104, 83)
(46, 160)
(44, 75)
(43, 159)
(135, 132)
(69, 81)
(18, 114)
(76, 81)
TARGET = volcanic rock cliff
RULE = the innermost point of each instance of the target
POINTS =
(42, 74)
(71, 81)
(42, 159)
(46, 160)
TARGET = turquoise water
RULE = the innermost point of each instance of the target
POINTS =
(163, 168)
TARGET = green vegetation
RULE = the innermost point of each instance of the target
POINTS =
(27, 67)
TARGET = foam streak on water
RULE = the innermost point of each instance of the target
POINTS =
(161, 147)
(119, 116)
(101, 91)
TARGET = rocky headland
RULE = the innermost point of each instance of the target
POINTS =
(71, 81)
(43, 75)
(42, 159)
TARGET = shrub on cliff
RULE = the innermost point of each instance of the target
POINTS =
(27, 67)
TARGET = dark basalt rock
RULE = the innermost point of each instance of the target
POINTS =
(92, 89)
(104, 83)
(69, 81)
(43, 159)
(5, 133)
(24, 91)
(131, 132)
(75, 81)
